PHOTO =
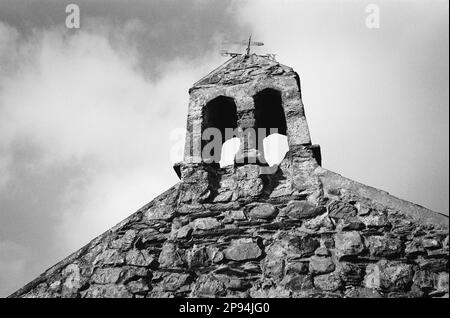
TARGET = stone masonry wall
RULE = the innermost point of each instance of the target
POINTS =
(235, 233)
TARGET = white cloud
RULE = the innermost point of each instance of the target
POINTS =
(13, 258)
(4, 175)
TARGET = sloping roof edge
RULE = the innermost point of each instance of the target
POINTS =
(332, 179)
(51, 270)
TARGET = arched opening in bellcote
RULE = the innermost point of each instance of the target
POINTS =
(271, 127)
(219, 118)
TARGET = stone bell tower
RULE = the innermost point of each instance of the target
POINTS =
(249, 97)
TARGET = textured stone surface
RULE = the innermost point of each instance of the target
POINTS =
(322, 251)
(348, 243)
(170, 256)
(297, 282)
(137, 257)
(321, 265)
(425, 280)
(351, 274)
(277, 256)
(384, 246)
(302, 210)
(339, 210)
(442, 282)
(243, 249)
(328, 282)
(389, 276)
(262, 211)
(206, 224)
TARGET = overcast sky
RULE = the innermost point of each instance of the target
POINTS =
(88, 116)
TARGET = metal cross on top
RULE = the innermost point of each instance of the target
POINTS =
(249, 43)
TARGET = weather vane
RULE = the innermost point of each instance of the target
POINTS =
(249, 43)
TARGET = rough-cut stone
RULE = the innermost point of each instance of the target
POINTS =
(375, 220)
(389, 276)
(184, 232)
(140, 258)
(72, 282)
(433, 264)
(40, 291)
(431, 243)
(362, 209)
(160, 212)
(109, 257)
(362, 292)
(190, 208)
(339, 210)
(206, 224)
(348, 243)
(249, 184)
(197, 257)
(139, 286)
(295, 282)
(298, 267)
(284, 247)
(106, 275)
(322, 251)
(125, 241)
(319, 223)
(173, 281)
(262, 211)
(351, 274)
(384, 246)
(306, 244)
(224, 196)
(270, 292)
(131, 273)
(414, 248)
(442, 282)
(243, 249)
(274, 268)
(321, 265)
(107, 291)
(236, 215)
(208, 286)
(328, 282)
(150, 236)
(445, 243)
(170, 256)
(302, 210)
(214, 254)
(425, 280)
(352, 224)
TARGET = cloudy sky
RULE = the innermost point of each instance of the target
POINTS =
(90, 118)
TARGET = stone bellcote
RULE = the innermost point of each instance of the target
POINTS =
(249, 97)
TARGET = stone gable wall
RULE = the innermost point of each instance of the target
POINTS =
(235, 233)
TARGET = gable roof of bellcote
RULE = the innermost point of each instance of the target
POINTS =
(243, 69)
